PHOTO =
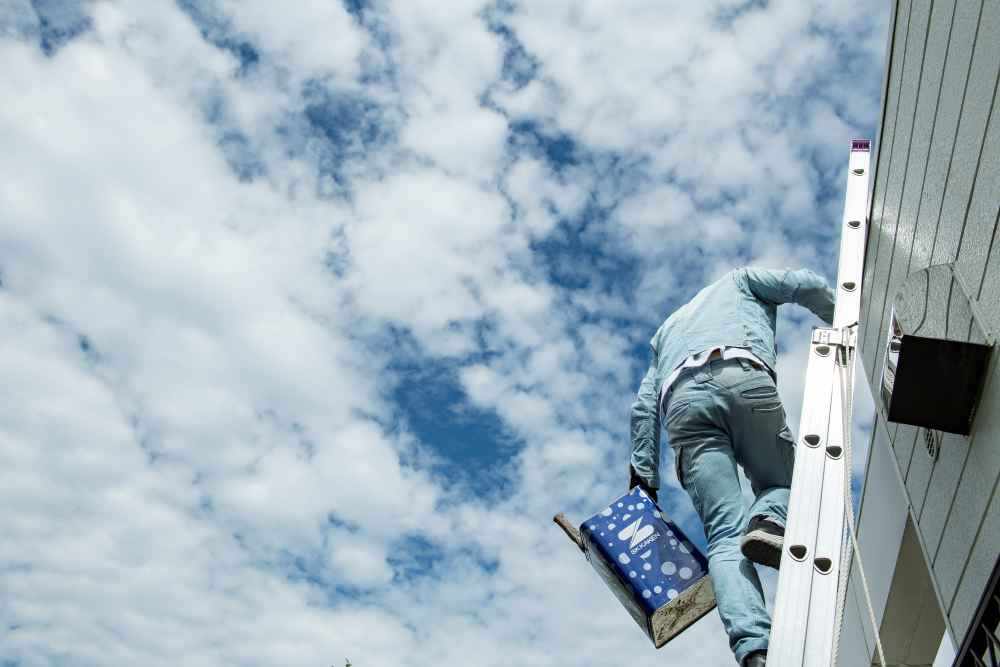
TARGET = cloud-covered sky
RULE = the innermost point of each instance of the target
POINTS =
(313, 314)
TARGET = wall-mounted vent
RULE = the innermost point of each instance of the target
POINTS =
(937, 354)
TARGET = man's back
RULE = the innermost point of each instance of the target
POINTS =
(738, 310)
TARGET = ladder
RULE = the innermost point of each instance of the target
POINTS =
(805, 626)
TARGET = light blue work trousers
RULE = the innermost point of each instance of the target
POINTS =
(725, 413)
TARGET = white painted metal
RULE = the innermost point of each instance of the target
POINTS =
(852, 240)
(794, 599)
(829, 533)
(805, 618)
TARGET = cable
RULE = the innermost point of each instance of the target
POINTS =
(845, 543)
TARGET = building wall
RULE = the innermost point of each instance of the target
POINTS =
(882, 521)
(935, 200)
(904, 602)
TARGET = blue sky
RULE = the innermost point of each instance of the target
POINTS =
(314, 315)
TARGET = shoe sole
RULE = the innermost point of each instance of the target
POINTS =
(763, 548)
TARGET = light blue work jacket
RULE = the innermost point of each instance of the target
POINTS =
(738, 310)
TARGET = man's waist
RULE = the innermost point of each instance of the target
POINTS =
(695, 362)
(716, 354)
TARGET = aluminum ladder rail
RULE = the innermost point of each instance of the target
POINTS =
(805, 613)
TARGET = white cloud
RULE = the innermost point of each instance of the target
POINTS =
(315, 39)
(207, 464)
(360, 562)
(17, 18)
(541, 197)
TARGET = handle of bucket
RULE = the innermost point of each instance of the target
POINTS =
(568, 528)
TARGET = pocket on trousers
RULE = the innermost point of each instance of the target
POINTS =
(760, 392)
(767, 407)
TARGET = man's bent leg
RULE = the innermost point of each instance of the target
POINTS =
(707, 471)
(768, 463)
(764, 446)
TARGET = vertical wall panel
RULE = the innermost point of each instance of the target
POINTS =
(977, 98)
(980, 566)
(900, 231)
(880, 234)
(933, 144)
(909, 157)
(919, 471)
(902, 445)
(927, 638)
(981, 218)
(982, 211)
(959, 320)
(961, 33)
(911, 608)
(941, 489)
(974, 489)
(989, 292)
(881, 520)
(981, 470)
(854, 642)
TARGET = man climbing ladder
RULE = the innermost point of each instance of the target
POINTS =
(709, 359)
(712, 379)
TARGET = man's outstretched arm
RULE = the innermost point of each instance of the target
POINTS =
(801, 286)
(645, 431)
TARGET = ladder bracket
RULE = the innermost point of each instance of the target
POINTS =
(844, 337)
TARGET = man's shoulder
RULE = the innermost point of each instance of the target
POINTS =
(732, 280)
